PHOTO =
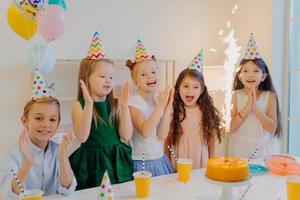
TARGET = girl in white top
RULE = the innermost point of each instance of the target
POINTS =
(255, 122)
(151, 118)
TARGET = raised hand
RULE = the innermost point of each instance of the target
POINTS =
(124, 96)
(86, 95)
(24, 146)
(65, 145)
(170, 100)
(249, 106)
(163, 97)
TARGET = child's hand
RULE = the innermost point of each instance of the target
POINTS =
(24, 146)
(249, 106)
(124, 96)
(163, 98)
(254, 99)
(65, 145)
(85, 92)
(169, 105)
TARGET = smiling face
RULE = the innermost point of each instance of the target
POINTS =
(101, 81)
(146, 76)
(41, 120)
(190, 90)
(251, 75)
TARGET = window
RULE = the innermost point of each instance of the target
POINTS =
(294, 80)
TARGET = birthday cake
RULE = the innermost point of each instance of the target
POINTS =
(227, 169)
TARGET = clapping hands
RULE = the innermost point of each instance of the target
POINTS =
(24, 146)
(124, 96)
(65, 145)
(165, 99)
(251, 105)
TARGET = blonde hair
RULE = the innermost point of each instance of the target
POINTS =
(131, 65)
(87, 67)
(48, 100)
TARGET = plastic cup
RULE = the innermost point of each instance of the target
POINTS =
(293, 187)
(184, 167)
(32, 195)
(142, 183)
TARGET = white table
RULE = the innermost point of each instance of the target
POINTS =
(264, 187)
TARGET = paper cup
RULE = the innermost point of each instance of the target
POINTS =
(184, 167)
(142, 183)
(293, 187)
(33, 194)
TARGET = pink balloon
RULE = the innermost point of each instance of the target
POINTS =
(51, 23)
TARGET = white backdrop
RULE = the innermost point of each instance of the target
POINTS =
(170, 29)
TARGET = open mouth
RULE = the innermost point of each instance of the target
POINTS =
(106, 87)
(189, 98)
(151, 83)
(250, 81)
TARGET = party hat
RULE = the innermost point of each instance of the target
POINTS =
(197, 62)
(31, 8)
(96, 51)
(141, 53)
(251, 51)
(39, 87)
(105, 192)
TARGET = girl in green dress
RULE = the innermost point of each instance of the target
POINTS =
(99, 122)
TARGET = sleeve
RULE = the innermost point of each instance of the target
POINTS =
(67, 191)
(8, 163)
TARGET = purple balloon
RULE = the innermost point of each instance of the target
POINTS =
(51, 23)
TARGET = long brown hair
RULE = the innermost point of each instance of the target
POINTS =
(211, 120)
(87, 67)
(49, 100)
(266, 85)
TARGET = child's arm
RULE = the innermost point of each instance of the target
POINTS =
(164, 125)
(268, 120)
(125, 123)
(237, 118)
(11, 162)
(21, 174)
(82, 118)
(67, 180)
(28, 158)
(147, 126)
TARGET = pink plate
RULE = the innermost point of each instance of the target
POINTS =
(282, 164)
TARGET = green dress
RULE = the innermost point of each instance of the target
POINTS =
(102, 151)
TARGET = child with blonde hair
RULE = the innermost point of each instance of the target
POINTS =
(100, 122)
(37, 161)
(150, 117)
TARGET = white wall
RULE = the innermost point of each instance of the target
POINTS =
(170, 29)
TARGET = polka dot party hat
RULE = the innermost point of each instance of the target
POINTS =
(251, 51)
(105, 192)
(96, 51)
(141, 53)
(197, 62)
(39, 86)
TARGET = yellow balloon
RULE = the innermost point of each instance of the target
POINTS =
(23, 26)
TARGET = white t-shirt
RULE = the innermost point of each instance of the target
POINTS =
(151, 146)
